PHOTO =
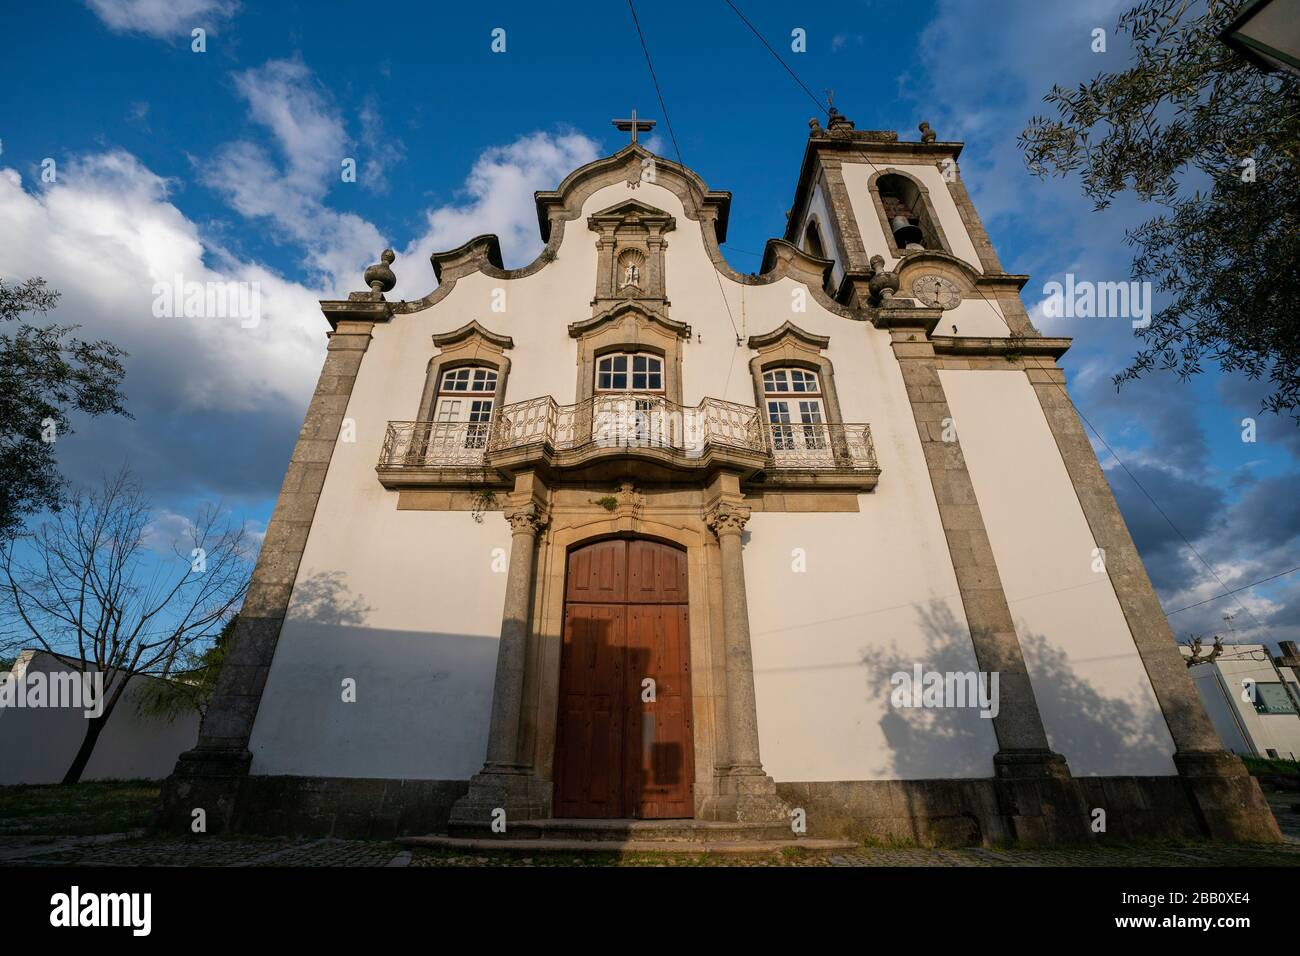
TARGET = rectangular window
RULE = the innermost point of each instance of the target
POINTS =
(1272, 698)
(480, 415)
(637, 372)
(778, 414)
(814, 431)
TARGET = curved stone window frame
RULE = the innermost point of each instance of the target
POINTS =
(631, 355)
(929, 217)
(630, 328)
(792, 347)
(470, 345)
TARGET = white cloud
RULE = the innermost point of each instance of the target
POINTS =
(167, 532)
(381, 151)
(310, 135)
(284, 97)
(498, 199)
(104, 235)
(164, 19)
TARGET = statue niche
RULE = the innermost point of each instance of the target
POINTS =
(630, 264)
(630, 251)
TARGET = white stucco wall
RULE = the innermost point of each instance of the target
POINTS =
(1093, 692)
(37, 745)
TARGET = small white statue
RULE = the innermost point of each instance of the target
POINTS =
(632, 275)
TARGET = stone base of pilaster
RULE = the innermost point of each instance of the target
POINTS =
(1030, 765)
(516, 791)
(1039, 798)
(1227, 798)
(745, 796)
(206, 780)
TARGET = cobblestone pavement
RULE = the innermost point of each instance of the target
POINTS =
(1286, 808)
(244, 851)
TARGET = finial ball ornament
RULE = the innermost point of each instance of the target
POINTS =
(380, 277)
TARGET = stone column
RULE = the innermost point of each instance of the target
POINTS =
(1229, 799)
(506, 781)
(507, 688)
(742, 711)
(744, 792)
(209, 776)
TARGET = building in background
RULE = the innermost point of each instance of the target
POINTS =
(1253, 699)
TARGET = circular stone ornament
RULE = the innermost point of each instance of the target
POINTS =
(934, 290)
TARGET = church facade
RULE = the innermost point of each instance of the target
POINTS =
(627, 534)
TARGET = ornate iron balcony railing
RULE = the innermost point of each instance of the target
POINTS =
(434, 445)
(630, 421)
(627, 420)
(821, 446)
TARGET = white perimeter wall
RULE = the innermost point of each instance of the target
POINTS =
(1093, 692)
(37, 745)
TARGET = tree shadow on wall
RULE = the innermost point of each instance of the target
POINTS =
(1099, 734)
(325, 599)
(925, 743)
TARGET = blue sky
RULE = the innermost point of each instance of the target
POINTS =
(225, 164)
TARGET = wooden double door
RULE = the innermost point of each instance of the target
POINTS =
(624, 745)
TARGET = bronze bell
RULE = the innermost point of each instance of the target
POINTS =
(907, 235)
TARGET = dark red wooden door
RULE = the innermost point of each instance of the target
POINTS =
(624, 744)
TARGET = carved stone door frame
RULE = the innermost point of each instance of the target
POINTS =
(575, 523)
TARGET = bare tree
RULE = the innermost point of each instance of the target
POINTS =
(89, 586)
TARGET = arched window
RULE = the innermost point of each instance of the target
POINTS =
(812, 240)
(625, 419)
(629, 372)
(795, 409)
(466, 395)
(908, 220)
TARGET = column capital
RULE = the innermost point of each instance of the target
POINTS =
(527, 518)
(727, 518)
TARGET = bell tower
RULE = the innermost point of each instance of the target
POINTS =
(881, 208)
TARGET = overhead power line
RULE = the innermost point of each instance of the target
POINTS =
(1244, 587)
(655, 80)
(752, 29)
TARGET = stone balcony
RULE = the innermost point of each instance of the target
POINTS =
(599, 438)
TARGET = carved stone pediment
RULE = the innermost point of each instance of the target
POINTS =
(444, 340)
(630, 314)
(777, 336)
(632, 211)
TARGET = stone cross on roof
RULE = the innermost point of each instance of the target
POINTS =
(634, 125)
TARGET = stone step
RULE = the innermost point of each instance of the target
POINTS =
(623, 831)
(552, 844)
